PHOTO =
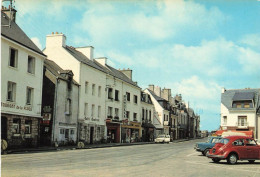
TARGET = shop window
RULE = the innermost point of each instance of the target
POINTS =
(67, 133)
(31, 65)
(16, 126)
(28, 127)
(29, 96)
(11, 91)
(13, 57)
(116, 95)
(72, 132)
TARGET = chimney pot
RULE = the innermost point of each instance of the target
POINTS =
(56, 33)
(52, 32)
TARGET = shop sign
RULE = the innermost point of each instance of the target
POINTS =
(14, 106)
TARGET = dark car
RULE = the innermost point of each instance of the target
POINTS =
(233, 148)
(204, 147)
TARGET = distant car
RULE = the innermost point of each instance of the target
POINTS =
(204, 147)
(162, 139)
(233, 148)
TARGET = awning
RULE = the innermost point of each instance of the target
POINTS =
(148, 125)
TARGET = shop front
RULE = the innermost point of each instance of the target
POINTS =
(148, 132)
(131, 132)
(113, 131)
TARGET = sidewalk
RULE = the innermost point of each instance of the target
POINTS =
(88, 146)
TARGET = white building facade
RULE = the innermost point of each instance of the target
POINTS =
(21, 85)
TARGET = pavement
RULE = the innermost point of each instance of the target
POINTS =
(88, 146)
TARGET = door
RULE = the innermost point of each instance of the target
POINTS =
(91, 135)
(4, 128)
(252, 149)
(240, 148)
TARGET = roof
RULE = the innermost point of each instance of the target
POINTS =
(155, 96)
(190, 112)
(229, 96)
(106, 69)
(16, 34)
(240, 96)
(56, 70)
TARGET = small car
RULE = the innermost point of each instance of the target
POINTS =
(234, 148)
(204, 147)
(162, 139)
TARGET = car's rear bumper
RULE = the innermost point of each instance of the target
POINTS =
(215, 156)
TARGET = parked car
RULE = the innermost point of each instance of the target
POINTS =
(204, 147)
(234, 148)
(162, 139)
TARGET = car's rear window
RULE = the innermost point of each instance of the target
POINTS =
(224, 140)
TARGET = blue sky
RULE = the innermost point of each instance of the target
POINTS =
(192, 47)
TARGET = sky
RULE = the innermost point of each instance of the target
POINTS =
(192, 47)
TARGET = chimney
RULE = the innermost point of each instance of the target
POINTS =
(157, 91)
(127, 72)
(223, 90)
(102, 60)
(151, 87)
(87, 51)
(166, 94)
(10, 12)
(55, 40)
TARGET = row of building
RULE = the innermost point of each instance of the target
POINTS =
(62, 95)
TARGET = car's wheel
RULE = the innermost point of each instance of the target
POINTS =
(202, 153)
(251, 161)
(206, 152)
(216, 160)
(232, 159)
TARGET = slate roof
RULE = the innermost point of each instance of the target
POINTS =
(106, 69)
(190, 112)
(229, 96)
(56, 70)
(155, 96)
(16, 34)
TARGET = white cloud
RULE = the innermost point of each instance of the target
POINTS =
(37, 42)
(252, 40)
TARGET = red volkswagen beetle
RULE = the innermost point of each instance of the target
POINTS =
(233, 148)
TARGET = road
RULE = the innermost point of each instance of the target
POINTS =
(174, 159)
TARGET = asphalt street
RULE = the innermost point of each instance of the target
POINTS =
(174, 159)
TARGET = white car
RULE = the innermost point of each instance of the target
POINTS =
(162, 139)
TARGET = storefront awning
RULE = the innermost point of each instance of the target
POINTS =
(148, 125)
(225, 133)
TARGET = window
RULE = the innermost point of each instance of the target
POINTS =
(31, 65)
(13, 58)
(28, 125)
(93, 110)
(135, 99)
(164, 118)
(116, 112)
(110, 93)
(150, 115)
(16, 126)
(86, 110)
(109, 112)
(238, 142)
(224, 120)
(99, 111)
(116, 95)
(146, 114)
(72, 132)
(127, 96)
(68, 107)
(135, 116)
(143, 114)
(29, 96)
(11, 91)
(127, 114)
(86, 87)
(93, 89)
(67, 133)
(167, 118)
(242, 121)
(62, 131)
(99, 91)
